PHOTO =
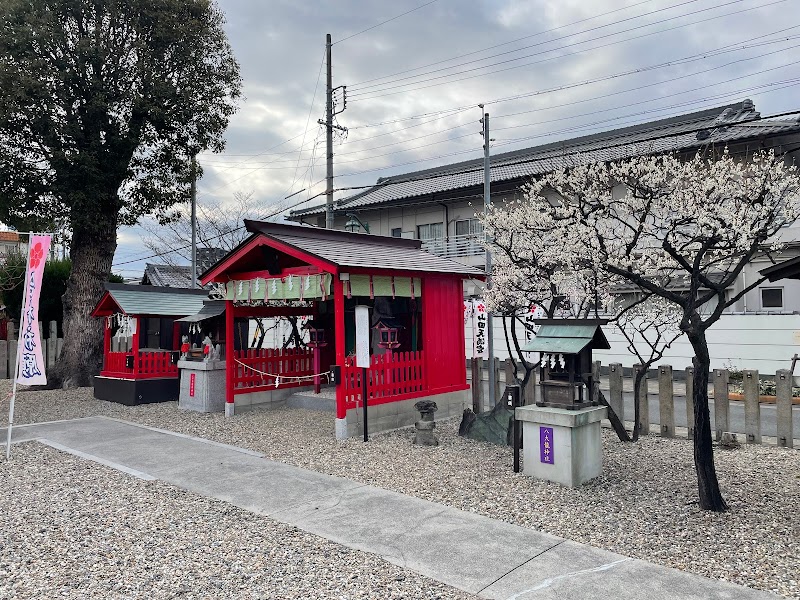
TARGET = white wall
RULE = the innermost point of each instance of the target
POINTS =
(763, 342)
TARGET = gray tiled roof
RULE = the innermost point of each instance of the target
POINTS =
(718, 126)
(173, 276)
(354, 250)
(151, 300)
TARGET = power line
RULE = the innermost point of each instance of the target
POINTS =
(503, 44)
(386, 21)
(509, 163)
(357, 87)
(365, 95)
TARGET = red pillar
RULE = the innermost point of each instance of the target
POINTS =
(229, 357)
(135, 345)
(106, 344)
(338, 328)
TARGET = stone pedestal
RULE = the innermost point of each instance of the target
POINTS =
(202, 385)
(562, 445)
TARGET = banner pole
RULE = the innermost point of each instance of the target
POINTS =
(11, 404)
(26, 300)
(16, 361)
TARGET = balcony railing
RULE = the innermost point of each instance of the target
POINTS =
(455, 246)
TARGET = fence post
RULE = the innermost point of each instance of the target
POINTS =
(529, 393)
(615, 390)
(10, 332)
(12, 358)
(477, 385)
(721, 404)
(783, 406)
(666, 401)
(59, 346)
(497, 388)
(595, 391)
(3, 359)
(689, 382)
(752, 408)
(510, 375)
(644, 402)
(52, 343)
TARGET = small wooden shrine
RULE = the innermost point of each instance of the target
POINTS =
(565, 364)
(142, 340)
(415, 302)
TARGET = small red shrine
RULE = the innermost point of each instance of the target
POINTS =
(142, 341)
(415, 300)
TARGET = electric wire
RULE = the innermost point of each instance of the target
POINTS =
(360, 98)
(356, 89)
(563, 153)
(384, 22)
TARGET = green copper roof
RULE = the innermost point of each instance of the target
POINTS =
(566, 339)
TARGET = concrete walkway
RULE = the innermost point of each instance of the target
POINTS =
(470, 552)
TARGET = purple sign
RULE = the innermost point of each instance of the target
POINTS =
(546, 444)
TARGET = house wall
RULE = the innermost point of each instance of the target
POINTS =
(764, 342)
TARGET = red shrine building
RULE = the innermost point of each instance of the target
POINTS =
(142, 337)
(415, 304)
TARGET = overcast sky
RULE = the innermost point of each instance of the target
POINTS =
(576, 67)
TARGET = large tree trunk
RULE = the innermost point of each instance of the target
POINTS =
(91, 252)
(708, 486)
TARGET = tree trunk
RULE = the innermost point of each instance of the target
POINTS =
(91, 252)
(708, 486)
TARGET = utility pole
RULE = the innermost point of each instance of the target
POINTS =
(329, 137)
(194, 220)
(487, 201)
(330, 113)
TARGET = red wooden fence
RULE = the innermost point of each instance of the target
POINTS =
(265, 365)
(395, 376)
(151, 364)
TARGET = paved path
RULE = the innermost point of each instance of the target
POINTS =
(471, 552)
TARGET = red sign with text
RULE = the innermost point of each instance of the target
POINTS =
(191, 384)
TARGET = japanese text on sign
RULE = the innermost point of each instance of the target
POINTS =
(546, 444)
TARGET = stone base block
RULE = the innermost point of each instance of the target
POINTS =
(394, 415)
(562, 445)
(264, 399)
(202, 386)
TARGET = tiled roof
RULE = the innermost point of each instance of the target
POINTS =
(346, 249)
(717, 126)
(9, 236)
(151, 300)
(172, 276)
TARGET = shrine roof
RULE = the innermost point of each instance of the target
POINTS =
(567, 338)
(149, 300)
(336, 250)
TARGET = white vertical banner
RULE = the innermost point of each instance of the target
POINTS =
(480, 338)
(362, 337)
(534, 313)
(30, 367)
(30, 370)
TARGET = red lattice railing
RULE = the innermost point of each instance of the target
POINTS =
(151, 364)
(258, 369)
(395, 376)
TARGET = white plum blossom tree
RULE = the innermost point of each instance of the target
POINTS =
(679, 230)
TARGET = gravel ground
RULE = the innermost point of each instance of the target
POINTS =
(644, 505)
(75, 529)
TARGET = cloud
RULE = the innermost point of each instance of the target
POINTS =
(280, 45)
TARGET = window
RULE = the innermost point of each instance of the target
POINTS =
(771, 297)
(431, 231)
(469, 227)
(397, 232)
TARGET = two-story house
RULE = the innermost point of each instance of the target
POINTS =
(438, 205)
